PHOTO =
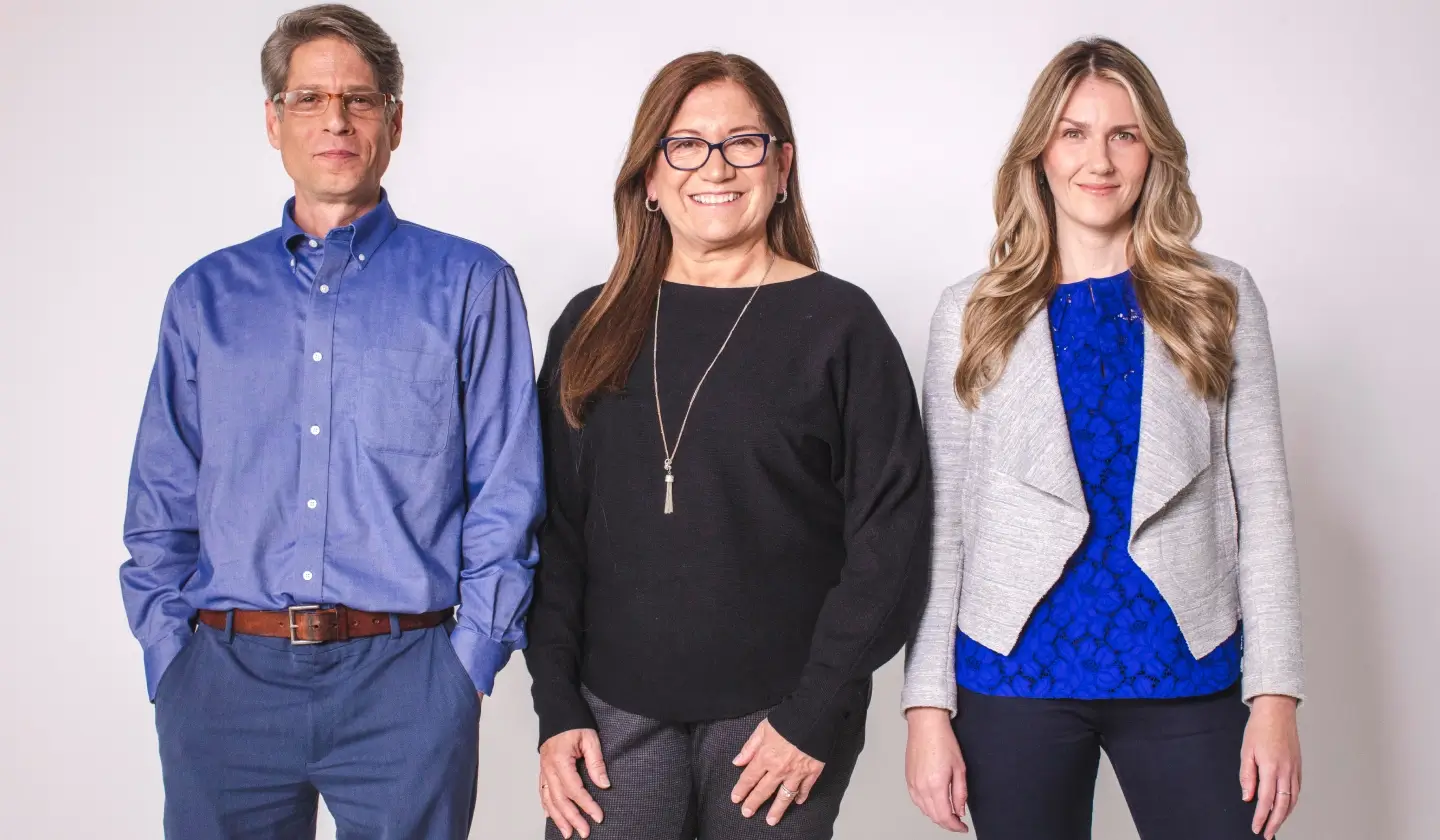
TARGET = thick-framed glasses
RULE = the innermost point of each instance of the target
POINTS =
(741, 151)
(363, 104)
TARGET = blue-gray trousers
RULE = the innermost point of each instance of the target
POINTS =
(253, 729)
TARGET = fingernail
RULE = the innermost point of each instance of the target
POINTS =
(747, 812)
(735, 799)
(771, 820)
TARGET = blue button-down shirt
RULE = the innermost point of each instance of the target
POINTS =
(347, 420)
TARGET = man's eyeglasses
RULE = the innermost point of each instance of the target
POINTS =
(741, 151)
(363, 104)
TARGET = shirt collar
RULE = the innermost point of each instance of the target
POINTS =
(366, 234)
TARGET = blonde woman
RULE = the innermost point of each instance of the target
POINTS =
(1112, 509)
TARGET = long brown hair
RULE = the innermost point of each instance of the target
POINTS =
(599, 353)
(1190, 307)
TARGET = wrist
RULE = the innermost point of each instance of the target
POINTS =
(928, 716)
(1274, 703)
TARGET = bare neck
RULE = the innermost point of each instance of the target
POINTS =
(1088, 252)
(318, 217)
(741, 265)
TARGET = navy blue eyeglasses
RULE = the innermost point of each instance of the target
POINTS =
(741, 151)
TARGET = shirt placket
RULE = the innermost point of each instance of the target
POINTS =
(316, 407)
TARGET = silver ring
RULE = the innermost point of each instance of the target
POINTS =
(1283, 792)
(786, 792)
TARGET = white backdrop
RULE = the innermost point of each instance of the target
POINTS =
(133, 144)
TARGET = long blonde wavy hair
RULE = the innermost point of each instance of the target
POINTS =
(1190, 307)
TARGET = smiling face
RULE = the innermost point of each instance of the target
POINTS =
(334, 157)
(718, 205)
(1096, 161)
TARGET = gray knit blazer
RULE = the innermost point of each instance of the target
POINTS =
(1211, 520)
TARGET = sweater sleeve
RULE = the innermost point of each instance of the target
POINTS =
(930, 655)
(867, 616)
(1269, 566)
(556, 622)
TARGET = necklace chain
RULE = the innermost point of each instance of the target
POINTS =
(655, 378)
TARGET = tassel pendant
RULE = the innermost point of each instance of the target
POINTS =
(669, 491)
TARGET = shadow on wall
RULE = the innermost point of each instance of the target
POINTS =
(1347, 748)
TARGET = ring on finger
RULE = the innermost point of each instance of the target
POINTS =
(786, 792)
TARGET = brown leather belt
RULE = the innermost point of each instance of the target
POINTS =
(311, 625)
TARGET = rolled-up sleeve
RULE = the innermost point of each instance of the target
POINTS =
(505, 489)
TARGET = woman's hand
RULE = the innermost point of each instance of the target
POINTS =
(773, 766)
(1270, 762)
(562, 792)
(934, 768)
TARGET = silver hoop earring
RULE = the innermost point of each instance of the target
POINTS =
(784, 196)
(654, 209)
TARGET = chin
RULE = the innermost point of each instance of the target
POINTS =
(718, 234)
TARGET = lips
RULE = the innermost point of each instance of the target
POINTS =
(337, 154)
(1100, 189)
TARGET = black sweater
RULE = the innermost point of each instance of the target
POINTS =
(795, 561)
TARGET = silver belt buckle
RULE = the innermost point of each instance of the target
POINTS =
(299, 608)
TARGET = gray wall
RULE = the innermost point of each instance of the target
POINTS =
(133, 144)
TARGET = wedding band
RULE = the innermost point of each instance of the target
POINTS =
(786, 792)
(1283, 792)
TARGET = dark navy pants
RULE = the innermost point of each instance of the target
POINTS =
(253, 729)
(1031, 765)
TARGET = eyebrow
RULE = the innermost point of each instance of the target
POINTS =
(742, 129)
(1078, 124)
(350, 89)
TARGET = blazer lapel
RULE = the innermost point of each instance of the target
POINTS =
(1034, 437)
(1174, 434)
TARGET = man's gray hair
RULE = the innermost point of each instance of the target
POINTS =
(330, 20)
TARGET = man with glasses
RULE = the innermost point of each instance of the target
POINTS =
(340, 443)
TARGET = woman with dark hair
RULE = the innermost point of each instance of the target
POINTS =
(738, 493)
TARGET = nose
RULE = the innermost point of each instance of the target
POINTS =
(337, 119)
(1098, 160)
(717, 168)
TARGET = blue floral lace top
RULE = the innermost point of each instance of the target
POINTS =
(1103, 631)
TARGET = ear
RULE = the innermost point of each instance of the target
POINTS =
(272, 124)
(397, 124)
(786, 159)
(650, 181)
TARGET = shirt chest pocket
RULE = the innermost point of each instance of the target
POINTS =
(406, 401)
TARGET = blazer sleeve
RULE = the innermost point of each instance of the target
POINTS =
(1269, 570)
(930, 656)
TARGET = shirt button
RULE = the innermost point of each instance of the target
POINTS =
(292, 263)
(314, 430)
(362, 258)
(324, 290)
(311, 504)
(307, 575)
(317, 357)
(314, 244)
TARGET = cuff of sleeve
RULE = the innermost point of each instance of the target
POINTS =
(916, 698)
(1256, 686)
(481, 657)
(159, 655)
(561, 708)
(812, 726)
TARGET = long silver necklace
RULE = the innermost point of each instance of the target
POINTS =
(655, 374)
